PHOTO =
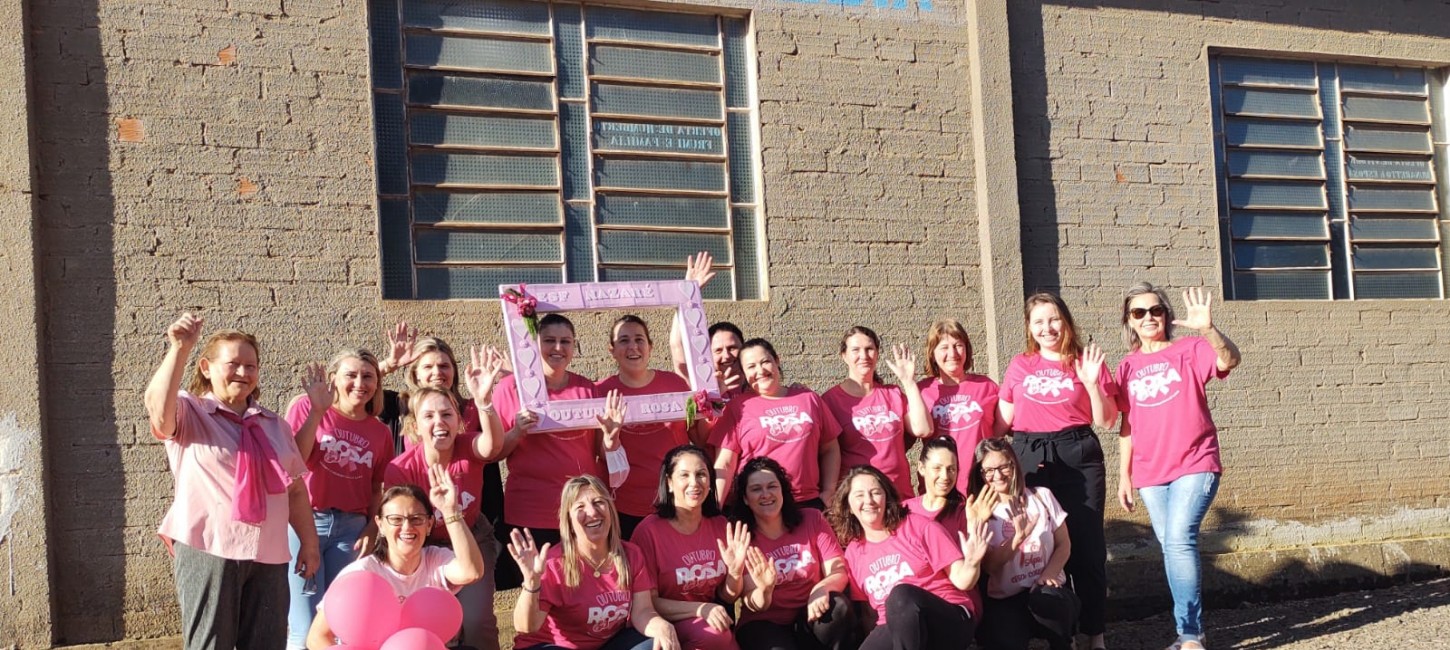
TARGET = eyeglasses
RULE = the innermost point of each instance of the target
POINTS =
(415, 521)
(1004, 470)
(1156, 310)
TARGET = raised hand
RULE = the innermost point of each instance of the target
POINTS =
(400, 346)
(734, 548)
(975, 541)
(902, 364)
(612, 419)
(443, 494)
(979, 508)
(317, 387)
(729, 378)
(1023, 521)
(762, 570)
(485, 365)
(529, 558)
(1090, 365)
(186, 331)
(697, 268)
(1197, 307)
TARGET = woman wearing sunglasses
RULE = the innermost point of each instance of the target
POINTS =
(1168, 447)
(401, 557)
(1051, 397)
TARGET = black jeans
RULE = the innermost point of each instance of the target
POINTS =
(1008, 624)
(917, 619)
(835, 630)
(627, 639)
(1070, 464)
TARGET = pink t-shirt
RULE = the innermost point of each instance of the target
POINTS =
(919, 553)
(954, 523)
(873, 431)
(685, 567)
(1048, 397)
(646, 444)
(542, 462)
(429, 573)
(466, 470)
(799, 557)
(965, 412)
(1022, 569)
(1162, 397)
(348, 459)
(203, 459)
(789, 429)
(586, 617)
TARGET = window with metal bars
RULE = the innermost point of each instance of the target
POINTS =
(535, 141)
(1332, 178)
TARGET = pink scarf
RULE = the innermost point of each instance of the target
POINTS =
(259, 473)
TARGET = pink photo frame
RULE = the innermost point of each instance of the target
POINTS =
(683, 295)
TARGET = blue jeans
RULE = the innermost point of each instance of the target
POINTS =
(337, 531)
(1177, 510)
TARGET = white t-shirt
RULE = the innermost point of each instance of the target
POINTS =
(1023, 568)
(429, 573)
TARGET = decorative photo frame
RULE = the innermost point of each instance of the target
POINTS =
(521, 303)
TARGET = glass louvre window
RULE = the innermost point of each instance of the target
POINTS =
(531, 141)
(1331, 179)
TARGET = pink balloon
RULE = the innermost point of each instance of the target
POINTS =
(362, 609)
(433, 609)
(413, 638)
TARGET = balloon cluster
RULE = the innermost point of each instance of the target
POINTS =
(363, 611)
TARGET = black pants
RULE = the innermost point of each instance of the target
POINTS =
(626, 639)
(1008, 624)
(917, 619)
(1070, 463)
(834, 630)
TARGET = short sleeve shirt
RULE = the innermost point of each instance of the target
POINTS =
(965, 412)
(1023, 568)
(1047, 397)
(789, 429)
(685, 567)
(1163, 398)
(348, 459)
(646, 443)
(873, 431)
(587, 616)
(544, 460)
(919, 553)
(799, 557)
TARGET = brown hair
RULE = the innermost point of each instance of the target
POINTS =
(848, 528)
(398, 491)
(875, 340)
(569, 541)
(1001, 446)
(200, 384)
(1071, 348)
(410, 424)
(423, 346)
(940, 329)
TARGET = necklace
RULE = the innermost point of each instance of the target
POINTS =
(597, 567)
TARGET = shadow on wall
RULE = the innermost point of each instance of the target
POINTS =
(1138, 589)
(85, 444)
(1032, 130)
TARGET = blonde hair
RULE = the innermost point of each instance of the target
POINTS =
(410, 424)
(374, 405)
(200, 384)
(570, 539)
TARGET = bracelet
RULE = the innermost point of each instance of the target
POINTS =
(534, 590)
(453, 518)
(487, 409)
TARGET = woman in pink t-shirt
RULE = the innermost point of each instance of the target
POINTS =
(592, 591)
(876, 418)
(696, 556)
(962, 405)
(795, 585)
(790, 424)
(434, 424)
(1051, 397)
(347, 451)
(940, 501)
(918, 579)
(238, 485)
(403, 559)
(645, 444)
(1025, 562)
(1168, 447)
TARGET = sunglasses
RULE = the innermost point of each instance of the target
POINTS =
(1156, 310)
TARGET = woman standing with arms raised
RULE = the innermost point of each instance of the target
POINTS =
(1168, 447)
(1051, 397)
(875, 418)
(238, 486)
(962, 405)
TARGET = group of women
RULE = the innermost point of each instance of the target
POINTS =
(800, 511)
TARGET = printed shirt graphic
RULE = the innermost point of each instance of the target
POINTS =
(1162, 397)
(873, 431)
(429, 573)
(541, 463)
(646, 444)
(965, 412)
(919, 553)
(1022, 569)
(466, 470)
(586, 617)
(685, 567)
(789, 429)
(954, 523)
(799, 557)
(348, 458)
(1048, 397)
